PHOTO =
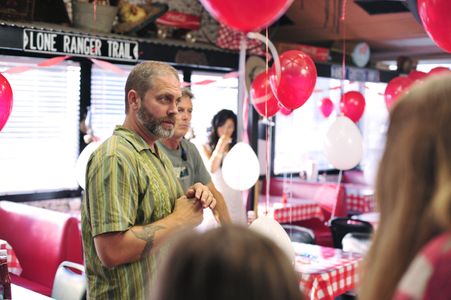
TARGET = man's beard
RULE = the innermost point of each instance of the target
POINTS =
(154, 125)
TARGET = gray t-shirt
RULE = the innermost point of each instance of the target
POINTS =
(188, 165)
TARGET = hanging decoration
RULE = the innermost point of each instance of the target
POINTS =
(436, 21)
(246, 16)
(6, 101)
(82, 163)
(241, 157)
(438, 70)
(263, 99)
(343, 145)
(352, 105)
(326, 106)
(284, 111)
(395, 88)
(297, 79)
(417, 75)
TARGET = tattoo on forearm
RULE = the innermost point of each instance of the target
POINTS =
(147, 235)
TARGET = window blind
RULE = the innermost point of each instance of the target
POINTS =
(107, 100)
(39, 143)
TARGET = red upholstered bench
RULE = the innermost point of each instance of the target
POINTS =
(41, 239)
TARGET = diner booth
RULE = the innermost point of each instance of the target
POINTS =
(68, 85)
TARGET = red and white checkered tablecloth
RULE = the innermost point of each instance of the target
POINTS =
(325, 272)
(13, 263)
(359, 199)
(293, 210)
(360, 203)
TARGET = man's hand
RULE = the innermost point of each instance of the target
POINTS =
(203, 194)
(188, 211)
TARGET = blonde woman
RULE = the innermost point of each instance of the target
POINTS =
(410, 257)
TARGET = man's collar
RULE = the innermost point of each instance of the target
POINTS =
(133, 138)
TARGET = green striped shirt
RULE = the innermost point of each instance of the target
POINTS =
(127, 184)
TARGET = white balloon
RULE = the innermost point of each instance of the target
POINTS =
(274, 231)
(82, 162)
(343, 144)
(241, 168)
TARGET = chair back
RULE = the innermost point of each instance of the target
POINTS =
(299, 234)
(68, 284)
(341, 226)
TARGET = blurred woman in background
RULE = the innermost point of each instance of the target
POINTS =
(222, 138)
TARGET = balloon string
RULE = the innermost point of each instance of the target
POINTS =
(270, 45)
(343, 66)
(268, 162)
(243, 94)
(267, 142)
(275, 55)
(266, 68)
(333, 213)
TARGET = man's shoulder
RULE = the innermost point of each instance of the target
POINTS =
(189, 145)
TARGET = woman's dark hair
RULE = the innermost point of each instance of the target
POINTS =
(218, 120)
(228, 262)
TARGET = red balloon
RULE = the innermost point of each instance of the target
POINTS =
(417, 75)
(297, 79)
(326, 107)
(6, 100)
(438, 70)
(352, 105)
(395, 88)
(246, 15)
(284, 111)
(262, 97)
(436, 21)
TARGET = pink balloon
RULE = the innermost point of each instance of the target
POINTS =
(395, 88)
(326, 107)
(417, 75)
(438, 70)
(6, 100)
(352, 105)
(297, 79)
(436, 21)
(262, 97)
(246, 15)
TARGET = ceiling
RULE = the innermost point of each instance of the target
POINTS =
(389, 34)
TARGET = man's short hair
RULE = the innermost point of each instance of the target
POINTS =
(140, 78)
(186, 92)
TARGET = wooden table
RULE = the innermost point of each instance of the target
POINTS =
(324, 272)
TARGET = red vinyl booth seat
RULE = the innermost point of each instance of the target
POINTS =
(41, 239)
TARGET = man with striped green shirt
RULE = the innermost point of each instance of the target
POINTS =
(132, 199)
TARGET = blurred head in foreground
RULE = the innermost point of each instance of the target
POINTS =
(228, 262)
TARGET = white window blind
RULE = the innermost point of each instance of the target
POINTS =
(39, 143)
(107, 100)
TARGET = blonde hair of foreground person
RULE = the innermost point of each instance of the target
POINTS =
(228, 262)
(413, 188)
